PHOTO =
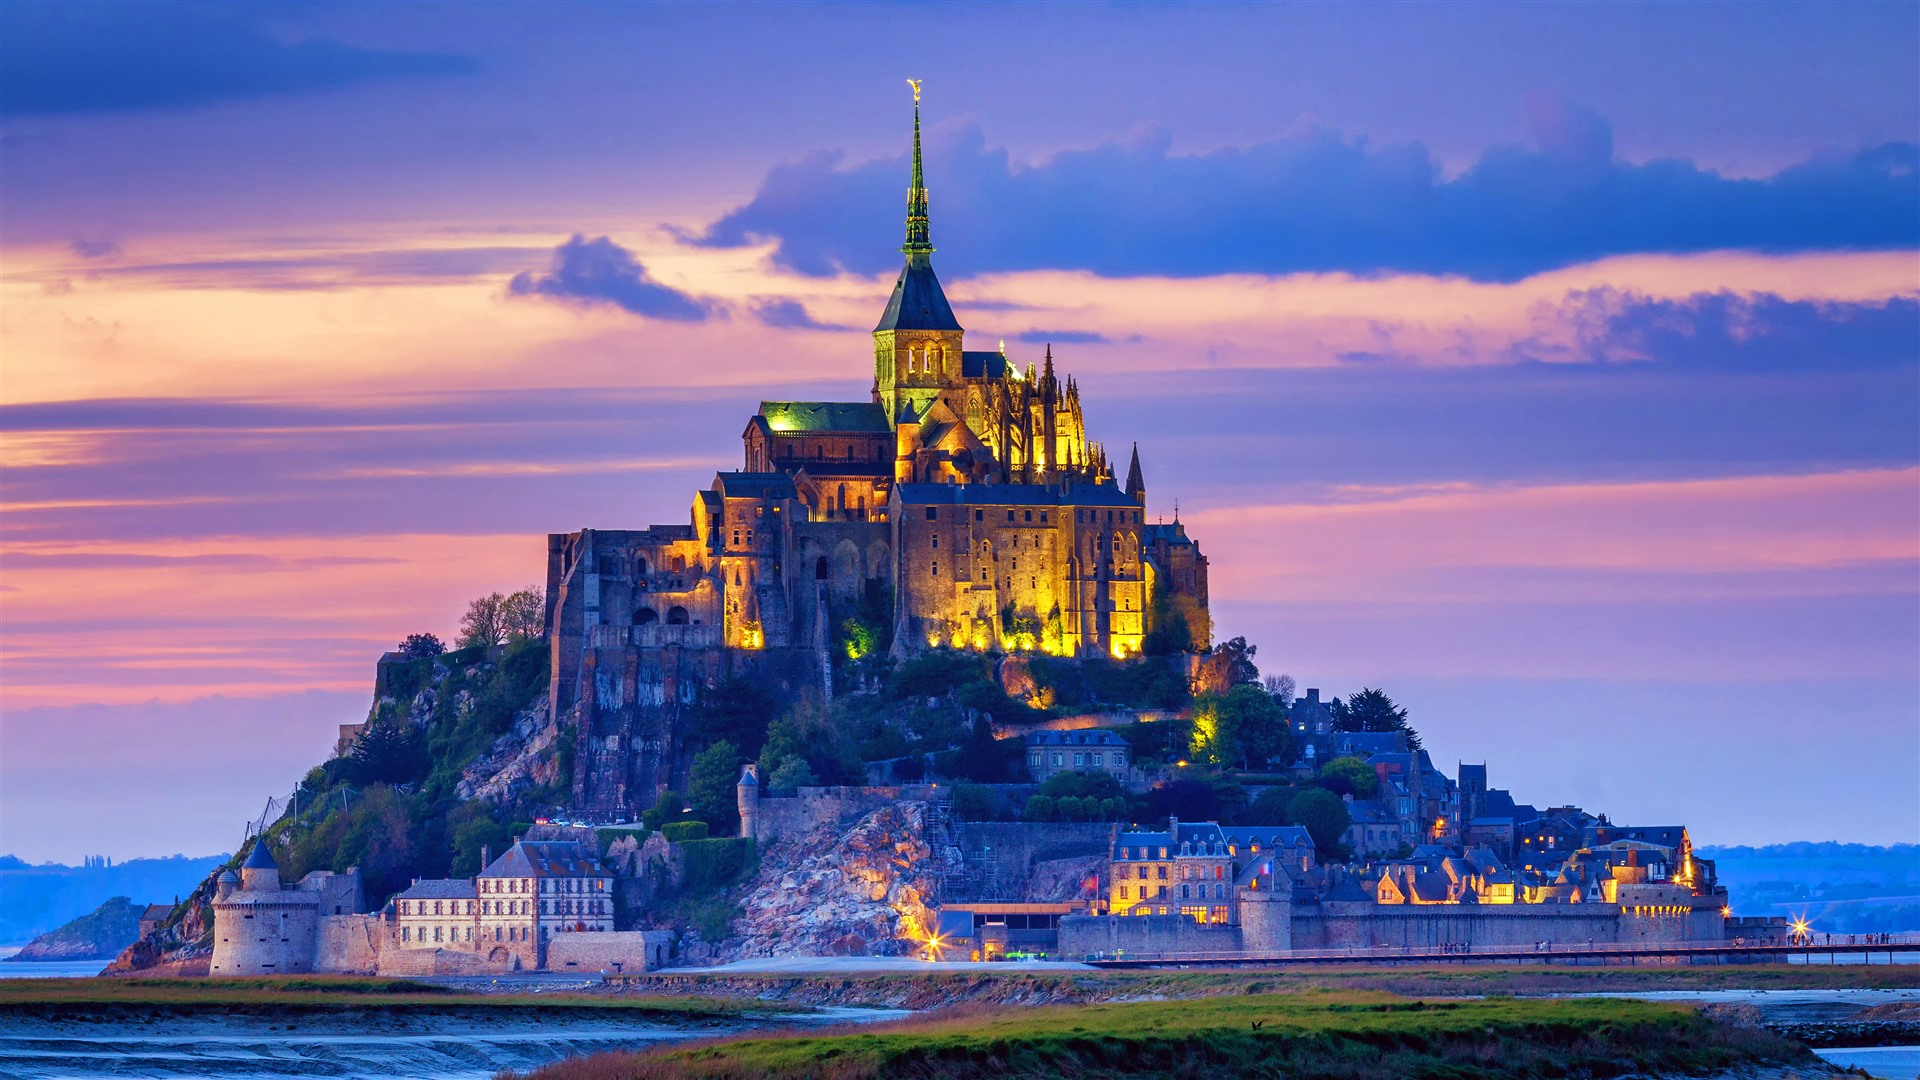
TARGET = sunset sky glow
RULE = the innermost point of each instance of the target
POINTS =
(1554, 367)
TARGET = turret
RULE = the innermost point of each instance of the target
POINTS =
(224, 885)
(747, 797)
(1136, 483)
(260, 873)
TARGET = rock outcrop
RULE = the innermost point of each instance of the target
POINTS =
(865, 890)
(97, 935)
(523, 758)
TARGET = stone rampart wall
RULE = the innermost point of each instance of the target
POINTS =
(1004, 853)
(1089, 935)
(619, 951)
(1427, 926)
(350, 944)
(816, 807)
(420, 962)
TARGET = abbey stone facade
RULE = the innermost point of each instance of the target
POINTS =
(963, 506)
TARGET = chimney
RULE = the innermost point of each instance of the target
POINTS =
(486, 856)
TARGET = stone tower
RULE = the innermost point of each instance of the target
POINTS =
(1265, 895)
(747, 796)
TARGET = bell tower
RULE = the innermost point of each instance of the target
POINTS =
(916, 346)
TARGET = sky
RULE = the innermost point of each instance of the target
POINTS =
(1555, 368)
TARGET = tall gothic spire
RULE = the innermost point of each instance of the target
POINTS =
(919, 245)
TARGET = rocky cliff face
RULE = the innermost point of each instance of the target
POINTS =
(523, 758)
(863, 891)
(96, 935)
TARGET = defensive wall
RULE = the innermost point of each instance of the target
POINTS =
(611, 951)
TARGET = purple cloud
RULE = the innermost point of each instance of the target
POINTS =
(599, 271)
(1323, 201)
(784, 314)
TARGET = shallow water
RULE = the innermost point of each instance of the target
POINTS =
(1885, 1062)
(50, 969)
(368, 1046)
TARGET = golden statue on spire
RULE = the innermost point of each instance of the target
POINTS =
(915, 83)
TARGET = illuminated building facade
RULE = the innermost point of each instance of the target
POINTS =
(962, 506)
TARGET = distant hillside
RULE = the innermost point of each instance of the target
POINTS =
(1839, 888)
(98, 935)
(36, 899)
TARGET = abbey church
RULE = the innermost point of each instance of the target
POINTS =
(963, 506)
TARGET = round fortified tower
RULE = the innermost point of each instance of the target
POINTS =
(261, 928)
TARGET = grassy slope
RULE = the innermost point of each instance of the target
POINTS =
(37, 996)
(1352, 1036)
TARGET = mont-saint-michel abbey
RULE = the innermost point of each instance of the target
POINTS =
(965, 503)
(962, 524)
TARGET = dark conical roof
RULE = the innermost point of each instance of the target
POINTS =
(260, 858)
(1135, 482)
(918, 302)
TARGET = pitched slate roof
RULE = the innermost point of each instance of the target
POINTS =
(546, 858)
(862, 416)
(918, 302)
(440, 889)
(752, 485)
(260, 858)
(1267, 836)
(1092, 737)
(983, 365)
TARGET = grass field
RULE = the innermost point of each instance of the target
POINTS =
(934, 989)
(41, 996)
(1327, 1036)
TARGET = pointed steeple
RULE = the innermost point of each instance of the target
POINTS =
(919, 244)
(918, 302)
(1136, 483)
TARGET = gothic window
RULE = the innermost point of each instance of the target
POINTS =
(640, 566)
(936, 568)
(983, 573)
(936, 541)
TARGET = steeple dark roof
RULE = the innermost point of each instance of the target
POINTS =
(918, 302)
(260, 858)
(1135, 482)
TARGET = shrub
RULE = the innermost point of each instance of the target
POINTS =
(716, 863)
(679, 832)
(1040, 808)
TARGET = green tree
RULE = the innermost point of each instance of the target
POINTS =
(388, 751)
(712, 787)
(1357, 776)
(670, 806)
(485, 623)
(1082, 785)
(737, 710)
(792, 773)
(421, 646)
(1269, 807)
(1323, 815)
(523, 614)
(1225, 666)
(982, 758)
(818, 732)
(1373, 710)
(1040, 808)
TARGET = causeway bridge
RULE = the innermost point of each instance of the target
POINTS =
(1830, 948)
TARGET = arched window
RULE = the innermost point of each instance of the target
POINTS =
(820, 571)
(645, 616)
(841, 502)
(640, 566)
(676, 616)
